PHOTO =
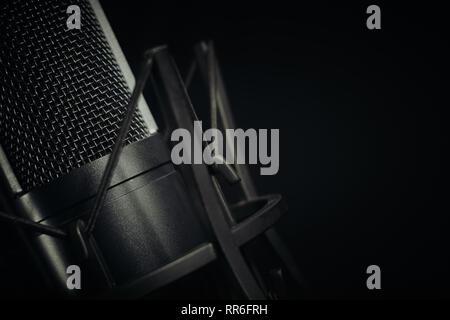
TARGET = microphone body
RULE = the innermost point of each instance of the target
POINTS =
(63, 94)
(64, 98)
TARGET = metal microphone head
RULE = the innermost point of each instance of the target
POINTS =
(63, 93)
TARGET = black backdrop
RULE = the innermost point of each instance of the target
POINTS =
(361, 119)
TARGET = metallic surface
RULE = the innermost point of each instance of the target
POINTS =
(62, 94)
(144, 110)
(146, 232)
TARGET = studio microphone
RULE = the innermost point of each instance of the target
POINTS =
(63, 96)
(88, 174)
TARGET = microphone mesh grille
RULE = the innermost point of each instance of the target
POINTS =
(62, 94)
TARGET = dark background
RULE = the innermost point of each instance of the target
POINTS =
(361, 119)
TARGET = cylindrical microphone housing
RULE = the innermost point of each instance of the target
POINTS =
(63, 95)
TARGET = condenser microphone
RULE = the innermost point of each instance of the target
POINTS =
(88, 174)
(63, 96)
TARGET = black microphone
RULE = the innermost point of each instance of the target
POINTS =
(63, 95)
(89, 175)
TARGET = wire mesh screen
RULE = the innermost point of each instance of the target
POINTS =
(62, 94)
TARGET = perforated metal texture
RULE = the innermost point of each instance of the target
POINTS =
(62, 94)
